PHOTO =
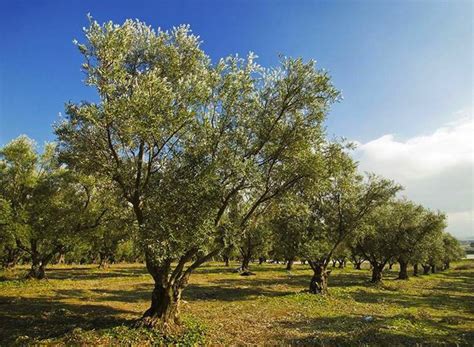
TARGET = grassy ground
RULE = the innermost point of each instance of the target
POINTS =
(82, 304)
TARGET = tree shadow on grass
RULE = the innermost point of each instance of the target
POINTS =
(87, 273)
(399, 330)
(458, 303)
(193, 292)
(292, 281)
(43, 318)
(458, 281)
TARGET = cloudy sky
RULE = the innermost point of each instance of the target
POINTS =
(435, 168)
(404, 68)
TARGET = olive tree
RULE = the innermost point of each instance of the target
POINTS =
(339, 205)
(9, 252)
(288, 223)
(50, 204)
(452, 250)
(413, 224)
(183, 139)
(375, 239)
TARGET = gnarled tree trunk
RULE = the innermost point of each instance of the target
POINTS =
(319, 281)
(166, 295)
(245, 263)
(403, 274)
(37, 271)
(169, 285)
(415, 269)
(164, 308)
(377, 270)
(39, 262)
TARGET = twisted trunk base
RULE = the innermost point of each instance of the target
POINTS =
(415, 269)
(37, 271)
(377, 270)
(164, 308)
(319, 282)
(403, 274)
(245, 264)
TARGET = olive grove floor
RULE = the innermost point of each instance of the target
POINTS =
(271, 307)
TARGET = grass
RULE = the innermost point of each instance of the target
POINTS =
(85, 305)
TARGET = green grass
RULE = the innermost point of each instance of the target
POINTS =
(85, 305)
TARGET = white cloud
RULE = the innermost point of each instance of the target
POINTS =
(436, 170)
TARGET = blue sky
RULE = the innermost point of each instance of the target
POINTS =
(404, 67)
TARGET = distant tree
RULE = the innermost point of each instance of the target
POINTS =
(288, 222)
(117, 228)
(255, 241)
(356, 256)
(339, 205)
(413, 225)
(9, 252)
(376, 241)
(432, 256)
(50, 204)
(182, 138)
(452, 250)
(341, 254)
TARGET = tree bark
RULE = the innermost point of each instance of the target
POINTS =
(164, 308)
(334, 263)
(245, 263)
(415, 269)
(403, 274)
(433, 269)
(377, 270)
(446, 265)
(319, 282)
(166, 295)
(289, 264)
(358, 265)
(426, 269)
(261, 260)
(37, 270)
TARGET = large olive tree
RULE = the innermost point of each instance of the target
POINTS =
(184, 139)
